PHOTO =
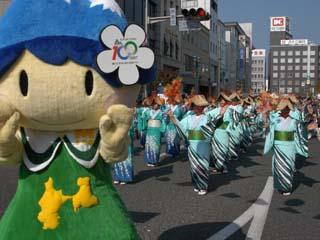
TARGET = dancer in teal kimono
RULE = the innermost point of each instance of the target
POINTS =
(172, 137)
(282, 139)
(142, 112)
(246, 133)
(235, 133)
(155, 128)
(190, 129)
(223, 124)
(302, 133)
(123, 171)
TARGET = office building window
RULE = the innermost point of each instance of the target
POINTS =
(282, 53)
(312, 74)
(276, 68)
(297, 75)
(297, 90)
(312, 67)
(290, 60)
(305, 53)
(304, 75)
(290, 75)
(297, 60)
(281, 90)
(275, 83)
(290, 68)
(304, 67)
(304, 60)
(189, 63)
(297, 67)
(275, 60)
(282, 60)
(312, 53)
(282, 67)
(275, 53)
(313, 83)
(274, 75)
(282, 75)
(297, 83)
(298, 53)
(312, 60)
(290, 53)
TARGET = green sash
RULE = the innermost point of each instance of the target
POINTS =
(283, 136)
(195, 135)
(224, 125)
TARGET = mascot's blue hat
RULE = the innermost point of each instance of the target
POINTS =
(58, 30)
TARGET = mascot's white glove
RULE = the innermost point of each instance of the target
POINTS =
(114, 127)
(10, 146)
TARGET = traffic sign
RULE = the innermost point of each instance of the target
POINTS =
(186, 25)
(173, 17)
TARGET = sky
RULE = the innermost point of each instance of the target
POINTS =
(304, 17)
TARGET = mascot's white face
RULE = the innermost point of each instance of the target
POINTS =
(58, 98)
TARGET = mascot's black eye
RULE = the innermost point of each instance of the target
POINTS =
(24, 82)
(89, 83)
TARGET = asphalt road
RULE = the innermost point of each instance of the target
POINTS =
(163, 205)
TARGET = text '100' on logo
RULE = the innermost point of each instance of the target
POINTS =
(124, 49)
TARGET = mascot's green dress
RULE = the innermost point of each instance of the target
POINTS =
(63, 120)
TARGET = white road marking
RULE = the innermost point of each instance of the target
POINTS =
(257, 212)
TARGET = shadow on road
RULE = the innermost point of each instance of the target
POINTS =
(153, 173)
(219, 180)
(142, 217)
(199, 231)
(301, 178)
(171, 160)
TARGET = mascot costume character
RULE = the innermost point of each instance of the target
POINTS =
(69, 70)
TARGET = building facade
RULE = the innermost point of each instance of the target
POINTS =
(222, 57)
(238, 58)
(294, 64)
(196, 61)
(258, 76)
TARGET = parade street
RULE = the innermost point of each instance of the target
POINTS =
(239, 205)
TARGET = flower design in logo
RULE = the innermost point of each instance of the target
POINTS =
(125, 53)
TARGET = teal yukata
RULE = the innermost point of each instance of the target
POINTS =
(190, 128)
(172, 137)
(156, 127)
(282, 139)
(221, 128)
(235, 135)
(142, 112)
(247, 127)
(302, 133)
(123, 171)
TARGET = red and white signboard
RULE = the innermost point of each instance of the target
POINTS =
(279, 24)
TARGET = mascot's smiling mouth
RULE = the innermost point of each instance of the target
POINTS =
(54, 124)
